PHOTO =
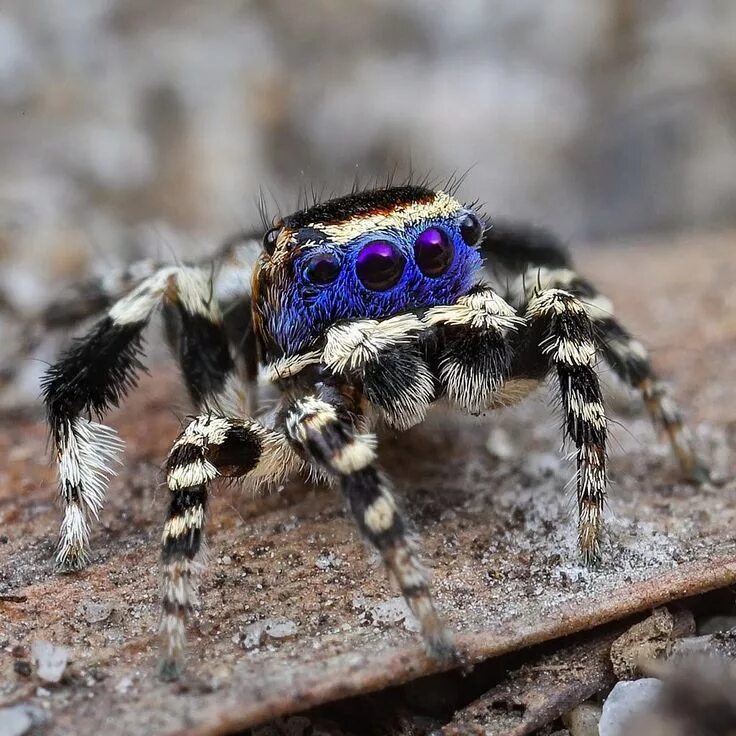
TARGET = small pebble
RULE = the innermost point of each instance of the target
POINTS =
(327, 561)
(50, 660)
(22, 667)
(251, 636)
(20, 719)
(280, 628)
(395, 610)
(96, 612)
(627, 699)
(716, 624)
(499, 444)
(583, 720)
(124, 685)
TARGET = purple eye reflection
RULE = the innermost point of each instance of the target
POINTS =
(433, 252)
(379, 265)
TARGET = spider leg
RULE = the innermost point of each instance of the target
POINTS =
(210, 447)
(323, 430)
(99, 369)
(539, 261)
(559, 337)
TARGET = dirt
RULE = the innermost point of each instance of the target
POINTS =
(499, 534)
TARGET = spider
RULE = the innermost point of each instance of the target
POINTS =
(362, 310)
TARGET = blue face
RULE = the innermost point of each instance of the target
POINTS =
(376, 274)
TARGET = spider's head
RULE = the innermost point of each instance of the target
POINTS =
(372, 254)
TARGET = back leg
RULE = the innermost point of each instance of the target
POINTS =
(559, 338)
(536, 261)
(99, 369)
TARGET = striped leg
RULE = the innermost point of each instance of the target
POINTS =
(539, 262)
(96, 373)
(629, 360)
(211, 446)
(560, 337)
(324, 433)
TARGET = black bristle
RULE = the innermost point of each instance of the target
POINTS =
(95, 373)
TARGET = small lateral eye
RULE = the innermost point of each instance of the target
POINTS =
(322, 268)
(470, 229)
(379, 265)
(270, 238)
(433, 252)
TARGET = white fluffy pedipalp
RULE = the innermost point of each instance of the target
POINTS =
(351, 345)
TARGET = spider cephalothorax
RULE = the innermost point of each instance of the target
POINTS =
(363, 310)
(369, 255)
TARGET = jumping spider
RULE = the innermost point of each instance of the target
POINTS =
(361, 310)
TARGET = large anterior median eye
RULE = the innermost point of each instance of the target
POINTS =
(380, 265)
(322, 268)
(433, 252)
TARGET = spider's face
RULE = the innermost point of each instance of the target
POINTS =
(367, 255)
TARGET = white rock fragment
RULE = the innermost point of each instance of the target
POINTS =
(280, 628)
(15, 721)
(395, 610)
(95, 612)
(124, 685)
(328, 561)
(499, 444)
(50, 660)
(252, 635)
(627, 699)
(20, 719)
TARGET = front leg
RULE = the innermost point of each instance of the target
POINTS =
(323, 430)
(211, 446)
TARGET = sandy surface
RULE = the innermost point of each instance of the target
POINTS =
(499, 535)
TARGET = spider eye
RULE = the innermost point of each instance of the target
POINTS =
(433, 252)
(380, 265)
(322, 268)
(270, 238)
(470, 229)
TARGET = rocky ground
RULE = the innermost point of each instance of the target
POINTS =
(296, 615)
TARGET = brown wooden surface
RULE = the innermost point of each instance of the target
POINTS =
(499, 535)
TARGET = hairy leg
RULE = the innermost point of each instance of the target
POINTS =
(97, 371)
(535, 260)
(559, 337)
(322, 429)
(211, 446)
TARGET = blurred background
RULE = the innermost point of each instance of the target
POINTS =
(132, 128)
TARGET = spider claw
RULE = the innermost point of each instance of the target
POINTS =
(169, 669)
(698, 473)
(440, 646)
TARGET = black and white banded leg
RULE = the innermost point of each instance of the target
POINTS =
(325, 434)
(559, 337)
(212, 446)
(536, 260)
(99, 369)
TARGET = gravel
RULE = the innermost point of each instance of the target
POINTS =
(626, 700)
